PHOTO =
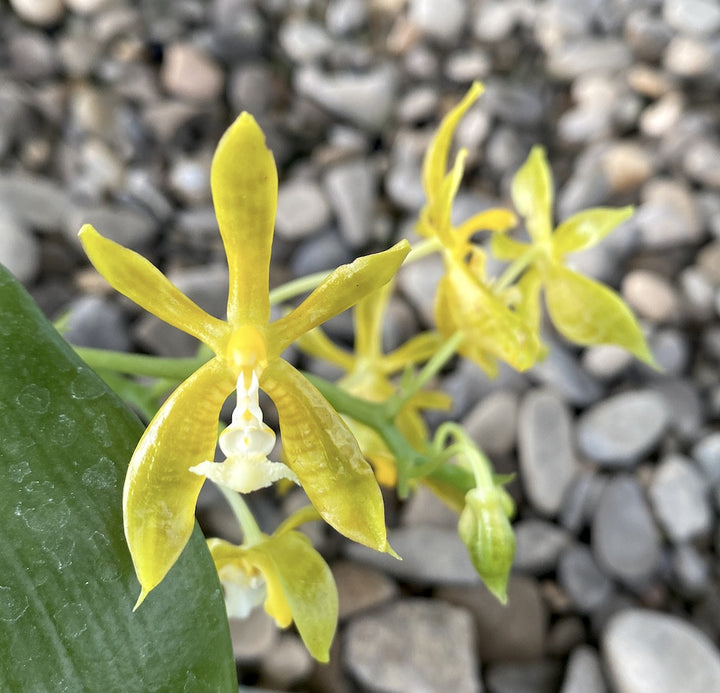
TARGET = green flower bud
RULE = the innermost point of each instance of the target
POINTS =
(486, 532)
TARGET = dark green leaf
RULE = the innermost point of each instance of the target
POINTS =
(67, 585)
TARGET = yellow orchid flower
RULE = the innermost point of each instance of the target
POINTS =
(290, 576)
(465, 299)
(584, 311)
(174, 455)
(368, 370)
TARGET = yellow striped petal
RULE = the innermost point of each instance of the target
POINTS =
(138, 279)
(585, 229)
(244, 185)
(321, 450)
(160, 490)
(342, 289)
(435, 162)
(532, 194)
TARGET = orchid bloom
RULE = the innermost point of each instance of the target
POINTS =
(494, 326)
(584, 311)
(368, 370)
(174, 455)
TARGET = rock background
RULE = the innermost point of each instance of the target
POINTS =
(109, 113)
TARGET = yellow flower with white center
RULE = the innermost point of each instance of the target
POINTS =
(160, 491)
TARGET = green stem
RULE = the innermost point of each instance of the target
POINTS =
(515, 269)
(245, 518)
(297, 286)
(140, 364)
(423, 249)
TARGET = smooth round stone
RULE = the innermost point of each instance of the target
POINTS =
(287, 664)
(606, 361)
(304, 41)
(627, 166)
(302, 209)
(618, 431)
(650, 295)
(625, 541)
(584, 672)
(679, 496)
(352, 189)
(581, 578)
(691, 570)
(346, 16)
(189, 73)
(575, 58)
(492, 422)
(669, 215)
(97, 322)
(19, 249)
(442, 22)
(651, 652)
(537, 545)
(707, 453)
(547, 459)
(360, 588)
(39, 12)
(687, 56)
(413, 645)
(538, 676)
(700, 17)
(701, 163)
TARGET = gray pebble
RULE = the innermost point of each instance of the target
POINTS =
(494, 21)
(302, 209)
(606, 361)
(360, 588)
(248, 88)
(492, 423)
(706, 452)
(413, 645)
(304, 41)
(189, 178)
(576, 58)
(581, 500)
(584, 672)
(423, 507)
(364, 99)
(450, 564)
(668, 215)
(253, 637)
(652, 296)
(547, 458)
(418, 281)
(686, 408)
(539, 676)
(97, 322)
(131, 228)
(38, 202)
(650, 652)
(464, 66)
(692, 571)
(647, 34)
(190, 73)
(417, 105)
(344, 17)
(351, 189)
(678, 494)
(442, 22)
(403, 186)
(688, 57)
(287, 664)
(580, 577)
(516, 630)
(625, 540)
(39, 12)
(700, 17)
(702, 163)
(538, 545)
(325, 251)
(619, 430)
(19, 249)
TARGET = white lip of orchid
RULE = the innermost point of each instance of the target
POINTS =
(243, 592)
(246, 444)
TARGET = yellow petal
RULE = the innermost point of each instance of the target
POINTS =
(300, 581)
(532, 194)
(342, 289)
(368, 318)
(416, 350)
(321, 450)
(244, 189)
(507, 249)
(160, 490)
(587, 312)
(317, 343)
(138, 279)
(435, 162)
(497, 220)
(439, 209)
(585, 229)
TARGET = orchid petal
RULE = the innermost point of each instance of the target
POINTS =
(317, 343)
(138, 279)
(416, 350)
(160, 490)
(507, 249)
(585, 229)
(532, 194)
(368, 318)
(343, 288)
(497, 220)
(244, 185)
(321, 450)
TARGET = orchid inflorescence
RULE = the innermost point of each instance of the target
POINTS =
(339, 440)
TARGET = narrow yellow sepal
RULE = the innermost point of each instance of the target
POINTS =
(532, 195)
(587, 228)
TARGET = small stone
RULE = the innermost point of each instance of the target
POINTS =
(253, 637)
(547, 459)
(131, 228)
(495, 21)
(699, 17)
(538, 545)
(576, 58)
(691, 569)
(581, 500)
(625, 541)
(606, 361)
(189, 73)
(403, 186)
(697, 292)
(418, 105)
(324, 251)
(519, 105)
(621, 429)
(360, 588)
(540, 676)
(19, 249)
(565, 634)
(651, 652)
(671, 350)
(33, 55)
(647, 34)
(688, 57)
(352, 190)
(440, 22)
(706, 452)
(425, 508)
(584, 672)
(39, 12)
(702, 163)
(668, 215)
(364, 99)
(189, 179)
(683, 402)
(302, 209)
(418, 281)
(450, 563)
(287, 664)
(514, 631)
(492, 423)
(627, 166)
(304, 41)
(679, 497)
(86, 6)
(248, 88)
(344, 17)
(98, 323)
(413, 645)
(708, 262)
(581, 578)
(649, 81)
(651, 295)
(35, 201)
(662, 115)
(466, 65)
